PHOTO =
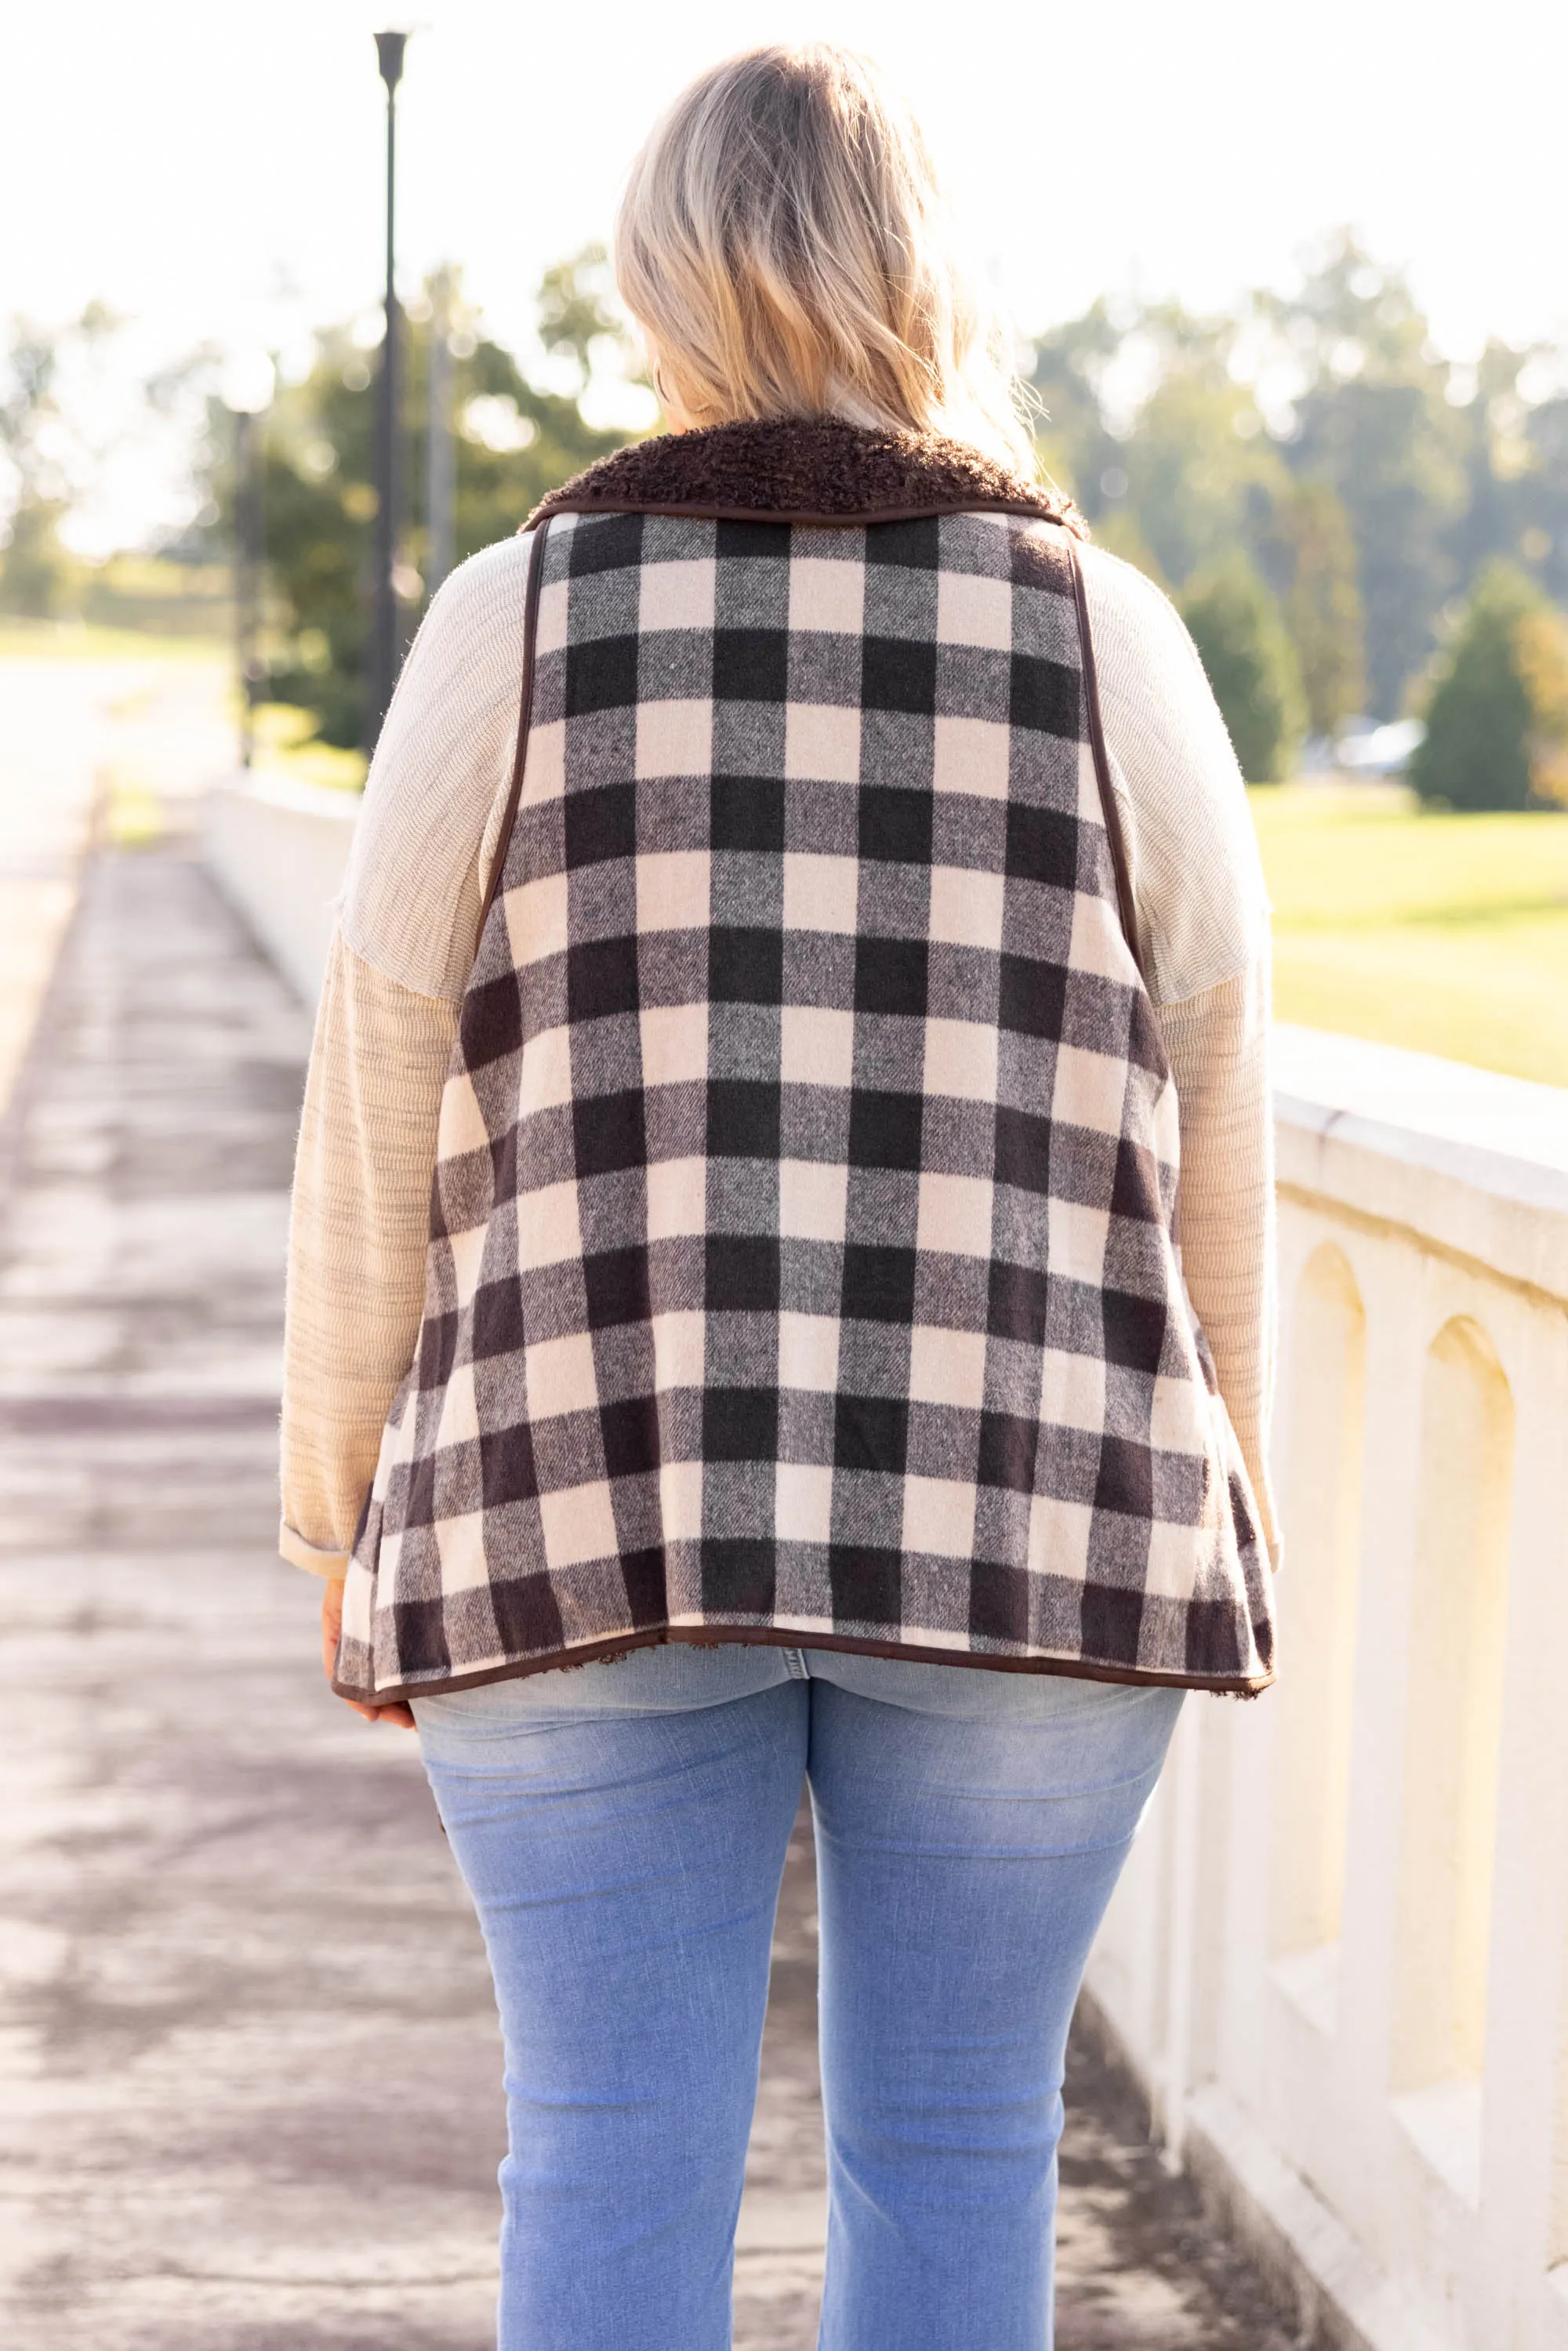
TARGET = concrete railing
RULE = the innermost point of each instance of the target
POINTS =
(1337, 1959)
(279, 848)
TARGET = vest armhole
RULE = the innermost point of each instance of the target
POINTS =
(525, 713)
(1114, 834)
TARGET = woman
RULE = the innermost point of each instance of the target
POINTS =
(804, 912)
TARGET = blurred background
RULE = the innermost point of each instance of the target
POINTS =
(1289, 289)
(1291, 300)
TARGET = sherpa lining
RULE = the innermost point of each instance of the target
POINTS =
(816, 469)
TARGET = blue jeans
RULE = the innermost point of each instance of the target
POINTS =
(622, 1829)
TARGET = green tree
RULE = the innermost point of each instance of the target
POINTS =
(1372, 418)
(1156, 421)
(36, 574)
(1541, 650)
(514, 442)
(50, 450)
(1197, 460)
(1494, 460)
(1075, 446)
(36, 570)
(575, 310)
(1307, 554)
(1497, 712)
(1175, 487)
(1250, 663)
(1543, 495)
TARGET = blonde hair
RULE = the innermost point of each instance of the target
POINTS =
(783, 243)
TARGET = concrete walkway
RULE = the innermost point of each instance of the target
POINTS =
(86, 741)
(248, 2062)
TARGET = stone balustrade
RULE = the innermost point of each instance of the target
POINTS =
(1337, 1959)
(279, 848)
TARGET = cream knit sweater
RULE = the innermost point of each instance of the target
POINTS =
(406, 935)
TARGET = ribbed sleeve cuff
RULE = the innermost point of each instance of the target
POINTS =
(332, 1564)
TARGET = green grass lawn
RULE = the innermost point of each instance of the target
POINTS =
(1448, 933)
(25, 639)
(283, 747)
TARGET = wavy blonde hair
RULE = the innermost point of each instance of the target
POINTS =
(783, 243)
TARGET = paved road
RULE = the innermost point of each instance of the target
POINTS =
(248, 2062)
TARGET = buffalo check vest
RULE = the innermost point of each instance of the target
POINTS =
(801, 1265)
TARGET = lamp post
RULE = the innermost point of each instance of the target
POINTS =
(384, 650)
(247, 390)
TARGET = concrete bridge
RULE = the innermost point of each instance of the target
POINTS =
(248, 2068)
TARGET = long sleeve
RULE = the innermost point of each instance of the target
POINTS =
(357, 1243)
(384, 1035)
(1217, 1044)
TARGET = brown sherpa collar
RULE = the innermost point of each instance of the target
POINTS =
(815, 470)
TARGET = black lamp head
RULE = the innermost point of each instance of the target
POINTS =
(390, 48)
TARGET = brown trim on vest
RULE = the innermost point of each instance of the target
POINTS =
(813, 471)
(524, 712)
(773, 1636)
(703, 510)
(1108, 805)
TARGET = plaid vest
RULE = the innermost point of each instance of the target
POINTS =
(801, 1264)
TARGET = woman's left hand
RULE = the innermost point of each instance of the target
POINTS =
(400, 1712)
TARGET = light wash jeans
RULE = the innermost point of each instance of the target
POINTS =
(622, 1829)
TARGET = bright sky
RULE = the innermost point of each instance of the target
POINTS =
(216, 168)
